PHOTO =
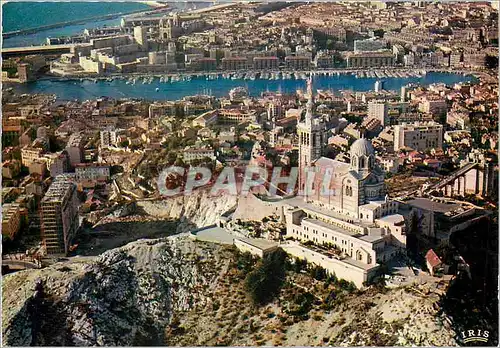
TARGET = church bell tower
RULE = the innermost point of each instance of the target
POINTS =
(311, 133)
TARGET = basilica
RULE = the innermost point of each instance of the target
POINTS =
(341, 206)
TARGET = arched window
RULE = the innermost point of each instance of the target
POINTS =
(348, 191)
(361, 162)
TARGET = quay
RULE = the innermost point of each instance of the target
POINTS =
(45, 49)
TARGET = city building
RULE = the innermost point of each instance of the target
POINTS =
(379, 110)
(370, 59)
(379, 86)
(265, 63)
(206, 64)
(234, 63)
(190, 155)
(297, 62)
(354, 226)
(433, 106)
(11, 220)
(439, 218)
(140, 36)
(92, 171)
(257, 247)
(30, 154)
(12, 129)
(25, 73)
(109, 137)
(236, 116)
(206, 119)
(39, 167)
(418, 136)
(369, 45)
(458, 119)
(59, 215)
(11, 169)
(74, 148)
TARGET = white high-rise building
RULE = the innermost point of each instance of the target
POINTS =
(379, 86)
(140, 36)
(418, 136)
(379, 110)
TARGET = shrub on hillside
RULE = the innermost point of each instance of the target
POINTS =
(265, 281)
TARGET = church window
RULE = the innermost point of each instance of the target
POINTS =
(361, 162)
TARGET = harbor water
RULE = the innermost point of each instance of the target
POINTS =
(163, 88)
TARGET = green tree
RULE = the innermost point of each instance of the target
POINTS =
(265, 281)
(179, 162)
(171, 157)
(124, 143)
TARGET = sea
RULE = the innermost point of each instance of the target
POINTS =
(30, 14)
(85, 89)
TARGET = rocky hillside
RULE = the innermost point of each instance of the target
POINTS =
(195, 210)
(125, 296)
(152, 219)
(175, 291)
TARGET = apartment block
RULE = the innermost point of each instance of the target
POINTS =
(92, 171)
(29, 155)
(74, 148)
(370, 59)
(11, 220)
(59, 215)
(198, 154)
(379, 111)
(418, 136)
(297, 62)
(270, 63)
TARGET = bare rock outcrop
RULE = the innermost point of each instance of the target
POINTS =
(126, 296)
(194, 210)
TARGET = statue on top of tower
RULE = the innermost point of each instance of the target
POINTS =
(310, 101)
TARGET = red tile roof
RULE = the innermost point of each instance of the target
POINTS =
(432, 258)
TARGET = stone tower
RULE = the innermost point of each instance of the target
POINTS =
(311, 132)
